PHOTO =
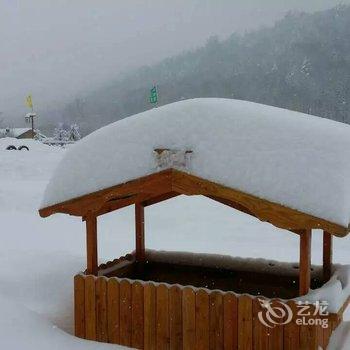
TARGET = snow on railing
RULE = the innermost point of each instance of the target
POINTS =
(53, 142)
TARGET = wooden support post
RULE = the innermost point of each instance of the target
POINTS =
(91, 245)
(327, 255)
(140, 231)
(305, 262)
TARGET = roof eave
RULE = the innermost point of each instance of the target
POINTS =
(174, 182)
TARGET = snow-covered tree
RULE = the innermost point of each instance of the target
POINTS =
(74, 133)
(7, 132)
(60, 134)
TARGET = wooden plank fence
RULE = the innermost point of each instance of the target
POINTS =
(160, 316)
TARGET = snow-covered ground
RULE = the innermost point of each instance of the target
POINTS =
(39, 257)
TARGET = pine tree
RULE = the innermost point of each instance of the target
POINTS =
(74, 133)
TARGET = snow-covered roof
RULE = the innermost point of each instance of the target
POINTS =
(297, 160)
(14, 132)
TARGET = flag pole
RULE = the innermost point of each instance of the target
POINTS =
(31, 117)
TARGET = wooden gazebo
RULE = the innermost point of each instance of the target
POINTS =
(123, 302)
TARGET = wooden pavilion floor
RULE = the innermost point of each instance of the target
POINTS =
(241, 282)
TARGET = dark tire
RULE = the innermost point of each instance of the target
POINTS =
(23, 147)
(11, 148)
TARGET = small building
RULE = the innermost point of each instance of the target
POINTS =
(285, 168)
(18, 133)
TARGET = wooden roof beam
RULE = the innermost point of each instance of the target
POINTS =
(274, 213)
(146, 199)
(161, 198)
(93, 202)
(116, 204)
(231, 204)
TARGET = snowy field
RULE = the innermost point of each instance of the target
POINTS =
(39, 257)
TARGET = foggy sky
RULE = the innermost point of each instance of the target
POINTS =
(57, 49)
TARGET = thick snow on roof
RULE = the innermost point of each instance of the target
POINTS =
(297, 160)
(13, 132)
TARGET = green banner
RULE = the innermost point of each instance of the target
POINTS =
(153, 97)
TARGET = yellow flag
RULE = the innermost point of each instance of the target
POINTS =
(29, 101)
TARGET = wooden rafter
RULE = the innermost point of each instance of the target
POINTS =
(146, 199)
(126, 193)
(277, 214)
(151, 188)
(116, 204)
(231, 204)
(161, 198)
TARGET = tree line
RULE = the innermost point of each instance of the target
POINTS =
(301, 63)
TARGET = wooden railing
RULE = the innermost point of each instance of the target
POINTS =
(151, 315)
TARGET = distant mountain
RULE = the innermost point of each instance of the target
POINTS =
(301, 63)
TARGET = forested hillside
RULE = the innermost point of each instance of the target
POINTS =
(302, 63)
